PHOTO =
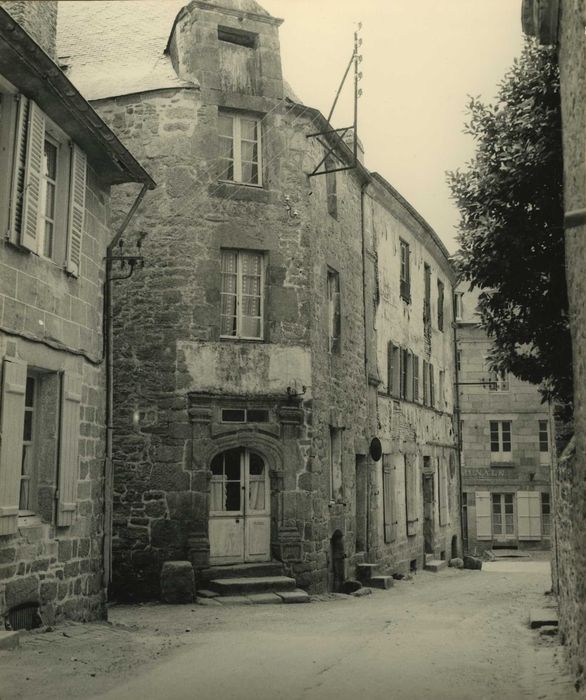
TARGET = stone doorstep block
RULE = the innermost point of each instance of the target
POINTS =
(296, 596)
(540, 617)
(264, 598)
(382, 582)
(9, 640)
(233, 600)
(208, 601)
(435, 565)
(177, 582)
(203, 593)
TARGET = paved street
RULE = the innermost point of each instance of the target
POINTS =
(455, 634)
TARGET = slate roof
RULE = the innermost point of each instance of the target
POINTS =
(117, 47)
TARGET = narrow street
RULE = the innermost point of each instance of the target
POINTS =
(455, 634)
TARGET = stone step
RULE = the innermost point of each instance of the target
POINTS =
(252, 584)
(383, 582)
(264, 568)
(364, 572)
(429, 557)
(539, 617)
(435, 565)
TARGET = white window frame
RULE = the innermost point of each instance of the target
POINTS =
(501, 455)
(239, 294)
(458, 306)
(334, 292)
(502, 499)
(30, 448)
(237, 148)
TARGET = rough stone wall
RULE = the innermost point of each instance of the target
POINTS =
(570, 496)
(38, 18)
(60, 567)
(410, 430)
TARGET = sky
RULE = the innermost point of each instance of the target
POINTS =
(421, 59)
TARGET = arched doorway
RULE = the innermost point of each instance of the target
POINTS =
(239, 520)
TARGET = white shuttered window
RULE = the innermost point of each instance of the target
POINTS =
(242, 295)
(47, 193)
(529, 515)
(483, 516)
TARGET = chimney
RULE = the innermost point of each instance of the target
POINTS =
(39, 20)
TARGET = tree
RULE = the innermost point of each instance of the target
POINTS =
(511, 224)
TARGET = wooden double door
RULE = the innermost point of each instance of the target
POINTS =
(240, 517)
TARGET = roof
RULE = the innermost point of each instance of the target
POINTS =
(131, 59)
(24, 64)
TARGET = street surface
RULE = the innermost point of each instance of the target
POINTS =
(455, 634)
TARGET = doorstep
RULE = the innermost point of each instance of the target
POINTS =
(269, 598)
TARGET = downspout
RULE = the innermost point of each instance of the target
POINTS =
(457, 415)
(109, 345)
(367, 465)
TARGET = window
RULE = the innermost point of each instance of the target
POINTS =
(245, 415)
(498, 382)
(440, 305)
(237, 36)
(442, 390)
(242, 294)
(545, 515)
(331, 187)
(415, 378)
(503, 515)
(334, 315)
(427, 292)
(43, 202)
(458, 306)
(40, 410)
(431, 385)
(459, 360)
(335, 464)
(543, 442)
(406, 375)
(425, 379)
(240, 148)
(405, 272)
(500, 441)
(394, 370)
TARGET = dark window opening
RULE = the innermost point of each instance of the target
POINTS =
(234, 415)
(257, 415)
(238, 36)
(245, 415)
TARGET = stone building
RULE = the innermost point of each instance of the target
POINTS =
(248, 379)
(58, 161)
(561, 23)
(506, 449)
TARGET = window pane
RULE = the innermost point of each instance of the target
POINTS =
(248, 129)
(27, 433)
(233, 495)
(232, 464)
(257, 415)
(233, 415)
(227, 170)
(217, 466)
(250, 173)
(249, 152)
(226, 148)
(30, 392)
(228, 326)
(225, 125)
(251, 327)
(50, 160)
(257, 465)
(48, 240)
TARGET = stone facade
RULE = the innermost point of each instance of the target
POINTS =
(498, 480)
(564, 21)
(38, 18)
(52, 351)
(306, 388)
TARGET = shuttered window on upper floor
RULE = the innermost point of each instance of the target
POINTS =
(44, 196)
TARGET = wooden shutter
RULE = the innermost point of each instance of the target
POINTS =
(69, 448)
(35, 148)
(529, 515)
(76, 214)
(431, 386)
(425, 383)
(388, 498)
(411, 493)
(415, 378)
(18, 168)
(443, 493)
(483, 516)
(11, 422)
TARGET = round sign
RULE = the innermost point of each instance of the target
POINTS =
(376, 449)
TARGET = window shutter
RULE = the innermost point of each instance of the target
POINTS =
(69, 448)
(11, 421)
(18, 168)
(529, 515)
(411, 495)
(76, 215)
(483, 517)
(415, 378)
(388, 498)
(443, 494)
(35, 147)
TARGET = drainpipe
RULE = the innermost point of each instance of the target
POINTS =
(366, 364)
(457, 415)
(109, 345)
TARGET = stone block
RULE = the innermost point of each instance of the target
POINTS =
(456, 563)
(22, 590)
(177, 582)
(9, 640)
(296, 596)
(472, 562)
(351, 586)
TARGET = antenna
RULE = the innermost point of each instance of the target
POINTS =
(355, 60)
